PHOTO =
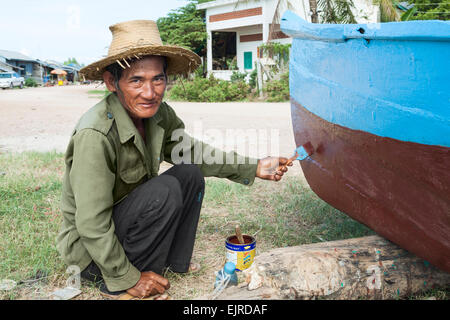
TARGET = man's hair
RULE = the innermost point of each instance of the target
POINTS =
(116, 70)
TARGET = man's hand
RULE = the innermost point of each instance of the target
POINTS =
(149, 284)
(272, 168)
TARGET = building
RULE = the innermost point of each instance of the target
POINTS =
(25, 66)
(36, 69)
(71, 69)
(236, 29)
(6, 67)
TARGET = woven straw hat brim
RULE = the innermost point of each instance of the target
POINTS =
(179, 60)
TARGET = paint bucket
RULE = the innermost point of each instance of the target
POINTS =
(241, 255)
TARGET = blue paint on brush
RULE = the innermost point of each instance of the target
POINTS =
(302, 153)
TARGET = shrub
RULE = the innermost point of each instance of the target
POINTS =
(185, 90)
(209, 90)
(238, 76)
(238, 91)
(278, 90)
(213, 94)
(253, 82)
(30, 82)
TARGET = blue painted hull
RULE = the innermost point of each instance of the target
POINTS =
(374, 101)
(384, 81)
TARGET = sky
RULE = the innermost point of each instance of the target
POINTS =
(57, 30)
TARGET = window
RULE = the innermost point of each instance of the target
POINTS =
(23, 72)
(248, 63)
(224, 50)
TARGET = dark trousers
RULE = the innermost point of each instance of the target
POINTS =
(157, 222)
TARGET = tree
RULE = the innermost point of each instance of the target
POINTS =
(322, 11)
(388, 11)
(431, 9)
(414, 10)
(336, 11)
(185, 27)
(71, 61)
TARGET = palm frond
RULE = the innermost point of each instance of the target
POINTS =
(388, 11)
(408, 14)
(336, 11)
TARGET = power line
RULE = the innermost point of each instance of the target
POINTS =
(432, 12)
(427, 4)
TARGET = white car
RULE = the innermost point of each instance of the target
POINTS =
(11, 80)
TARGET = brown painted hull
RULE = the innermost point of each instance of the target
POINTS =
(401, 190)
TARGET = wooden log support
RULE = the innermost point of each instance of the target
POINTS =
(368, 268)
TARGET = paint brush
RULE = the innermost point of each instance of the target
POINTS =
(239, 235)
(301, 153)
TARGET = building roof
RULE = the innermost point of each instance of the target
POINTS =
(13, 55)
(404, 6)
(43, 63)
(56, 65)
(7, 67)
(216, 3)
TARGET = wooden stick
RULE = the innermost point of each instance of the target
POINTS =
(239, 235)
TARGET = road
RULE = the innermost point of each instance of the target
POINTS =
(42, 119)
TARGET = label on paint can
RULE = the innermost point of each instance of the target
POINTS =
(241, 255)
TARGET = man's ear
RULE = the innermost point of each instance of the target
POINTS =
(108, 78)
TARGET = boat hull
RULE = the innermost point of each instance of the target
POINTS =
(399, 189)
(373, 100)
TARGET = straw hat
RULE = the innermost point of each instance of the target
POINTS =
(137, 38)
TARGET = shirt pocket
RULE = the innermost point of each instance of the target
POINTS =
(130, 178)
(131, 165)
(133, 175)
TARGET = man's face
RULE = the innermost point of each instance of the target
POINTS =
(141, 86)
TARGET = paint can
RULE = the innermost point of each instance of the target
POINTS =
(241, 255)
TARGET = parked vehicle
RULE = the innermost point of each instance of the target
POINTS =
(11, 80)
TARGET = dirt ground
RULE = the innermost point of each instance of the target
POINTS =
(42, 119)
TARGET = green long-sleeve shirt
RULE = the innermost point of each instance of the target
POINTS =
(105, 160)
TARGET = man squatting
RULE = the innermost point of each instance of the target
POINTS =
(123, 224)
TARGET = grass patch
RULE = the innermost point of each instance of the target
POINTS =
(96, 93)
(30, 186)
(280, 214)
